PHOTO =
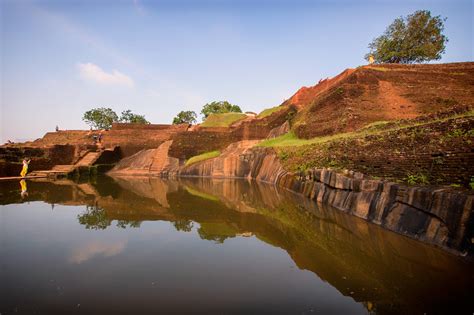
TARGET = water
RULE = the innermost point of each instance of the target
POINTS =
(140, 245)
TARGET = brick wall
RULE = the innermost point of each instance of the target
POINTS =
(441, 151)
(201, 140)
(125, 126)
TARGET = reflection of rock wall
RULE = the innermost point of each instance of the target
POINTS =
(439, 216)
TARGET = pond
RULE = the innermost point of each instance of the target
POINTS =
(147, 245)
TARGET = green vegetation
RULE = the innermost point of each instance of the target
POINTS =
(377, 125)
(201, 194)
(128, 117)
(291, 140)
(376, 128)
(102, 118)
(202, 157)
(420, 178)
(219, 107)
(185, 117)
(222, 120)
(471, 183)
(415, 38)
(269, 111)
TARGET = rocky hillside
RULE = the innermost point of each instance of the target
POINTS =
(368, 94)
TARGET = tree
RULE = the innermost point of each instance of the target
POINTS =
(183, 225)
(219, 108)
(185, 117)
(100, 118)
(128, 117)
(415, 38)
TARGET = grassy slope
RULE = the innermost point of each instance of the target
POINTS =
(202, 157)
(269, 111)
(222, 120)
(375, 128)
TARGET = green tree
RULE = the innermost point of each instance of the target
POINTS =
(100, 118)
(185, 117)
(415, 38)
(219, 107)
(128, 117)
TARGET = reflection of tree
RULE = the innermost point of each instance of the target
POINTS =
(217, 232)
(124, 223)
(94, 218)
(183, 225)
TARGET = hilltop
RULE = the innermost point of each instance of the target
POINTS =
(358, 97)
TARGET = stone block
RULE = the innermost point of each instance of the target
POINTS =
(342, 182)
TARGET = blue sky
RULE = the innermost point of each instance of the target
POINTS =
(61, 58)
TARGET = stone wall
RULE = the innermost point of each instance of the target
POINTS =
(127, 126)
(41, 158)
(201, 140)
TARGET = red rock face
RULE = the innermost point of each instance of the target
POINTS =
(368, 94)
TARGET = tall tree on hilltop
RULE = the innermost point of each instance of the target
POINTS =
(415, 38)
(219, 107)
(100, 118)
(185, 117)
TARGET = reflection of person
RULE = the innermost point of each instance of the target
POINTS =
(24, 189)
(24, 170)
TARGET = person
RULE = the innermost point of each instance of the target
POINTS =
(24, 170)
(24, 189)
(371, 59)
(57, 128)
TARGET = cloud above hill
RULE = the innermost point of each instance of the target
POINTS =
(94, 73)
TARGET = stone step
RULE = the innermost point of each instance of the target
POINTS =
(160, 158)
(63, 168)
(88, 159)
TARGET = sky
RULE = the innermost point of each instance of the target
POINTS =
(59, 59)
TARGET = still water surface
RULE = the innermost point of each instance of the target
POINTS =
(146, 245)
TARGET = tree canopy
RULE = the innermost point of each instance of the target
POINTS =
(102, 118)
(219, 107)
(185, 117)
(415, 38)
(128, 117)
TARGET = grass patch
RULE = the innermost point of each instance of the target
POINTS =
(222, 120)
(291, 140)
(378, 68)
(377, 124)
(202, 157)
(376, 128)
(269, 111)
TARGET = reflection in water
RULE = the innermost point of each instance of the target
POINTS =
(94, 249)
(23, 189)
(386, 272)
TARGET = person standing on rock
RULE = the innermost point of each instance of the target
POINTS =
(24, 170)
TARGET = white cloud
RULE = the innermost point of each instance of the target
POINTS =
(94, 73)
(94, 249)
